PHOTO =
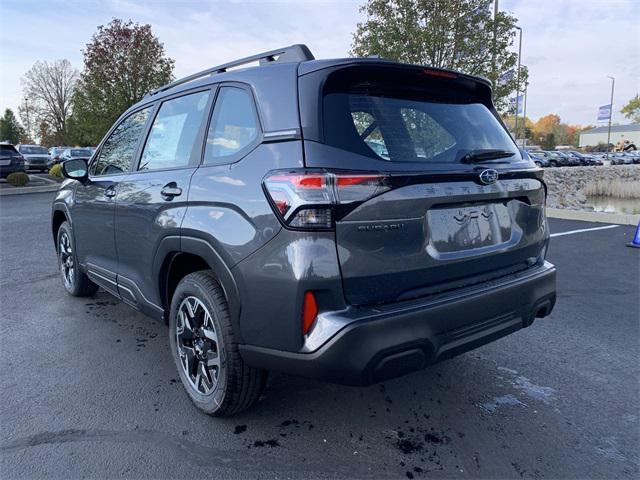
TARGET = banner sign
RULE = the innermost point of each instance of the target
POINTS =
(520, 101)
(604, 113)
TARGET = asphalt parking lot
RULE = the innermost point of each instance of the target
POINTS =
(88, 389)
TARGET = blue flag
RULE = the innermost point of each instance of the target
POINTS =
(520, 102)
(604, 113)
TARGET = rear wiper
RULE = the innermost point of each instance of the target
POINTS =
(475, 156)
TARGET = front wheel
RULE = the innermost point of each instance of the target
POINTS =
(75, 281)
(205, 349)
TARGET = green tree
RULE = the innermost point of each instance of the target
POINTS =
(453, 34)
(632, 109)
(10, 130)
(122, 63)
(549, 142)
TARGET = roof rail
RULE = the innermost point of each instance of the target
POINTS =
(292, 53)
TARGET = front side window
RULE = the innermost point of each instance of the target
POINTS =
(118, 150)
(234, 126)
(171, 141)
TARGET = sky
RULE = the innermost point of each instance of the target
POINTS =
(569, 46)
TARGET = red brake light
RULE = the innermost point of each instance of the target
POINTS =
(344, 181)
(439, 73)
(305, 199)
(309, 311)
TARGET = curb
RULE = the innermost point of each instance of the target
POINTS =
(23, 190)
(598, 217)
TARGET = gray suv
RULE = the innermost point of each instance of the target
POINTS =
(351, 220)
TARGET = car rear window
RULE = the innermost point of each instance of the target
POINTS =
(405, 121)
(8, 150)
(34, 150)
(79, 152)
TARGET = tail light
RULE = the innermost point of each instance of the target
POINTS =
(309, 199)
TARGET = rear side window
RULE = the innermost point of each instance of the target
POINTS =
(408, 123)
(171, 141)
(118, 150)
(234, 126)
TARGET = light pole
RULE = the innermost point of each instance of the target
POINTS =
(518, 81)
(613, 83)
(495, 39)
(524, 116)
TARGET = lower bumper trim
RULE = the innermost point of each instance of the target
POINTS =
(401, 341)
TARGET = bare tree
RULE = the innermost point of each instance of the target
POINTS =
(48, 88)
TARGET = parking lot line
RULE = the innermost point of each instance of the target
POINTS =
(571, 232)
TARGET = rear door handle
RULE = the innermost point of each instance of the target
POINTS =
(110, 191)
(170, 190)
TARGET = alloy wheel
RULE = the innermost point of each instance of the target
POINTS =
(65, 251)
(198, 345)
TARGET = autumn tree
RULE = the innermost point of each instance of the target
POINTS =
(10, 129)
(632, 109)
(48, 88)
(123, 61)
(453, 34)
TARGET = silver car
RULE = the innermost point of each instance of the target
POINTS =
(36, 157)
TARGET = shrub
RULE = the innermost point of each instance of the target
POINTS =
(56, 170)
(18, 179)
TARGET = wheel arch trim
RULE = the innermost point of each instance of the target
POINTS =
(171, 246)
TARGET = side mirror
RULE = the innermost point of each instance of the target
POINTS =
(75, 169)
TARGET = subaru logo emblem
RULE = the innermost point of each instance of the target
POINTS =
(487, 177)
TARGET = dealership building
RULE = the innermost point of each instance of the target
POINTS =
(598, 135)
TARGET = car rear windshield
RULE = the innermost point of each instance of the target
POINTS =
(406, 119)
(34, 151)
(80, 152)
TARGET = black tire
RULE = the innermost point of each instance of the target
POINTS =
(553, 163)
(538, 164)
(237, 386)
(79, 284)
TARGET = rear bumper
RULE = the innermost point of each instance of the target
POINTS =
(378, 343)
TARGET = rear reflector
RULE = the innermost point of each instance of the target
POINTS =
(309, 311)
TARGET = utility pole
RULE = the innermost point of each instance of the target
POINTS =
(518, 82)
(613, 83)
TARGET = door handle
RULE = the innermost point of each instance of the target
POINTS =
(170, 190)
(110, 191)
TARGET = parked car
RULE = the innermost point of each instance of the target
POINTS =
(10, 160)
(583, 158)
(540, 158)
(35, 157)
(258, 222)
(54, 155)
(621, 158)
(561, 159)
(69, 153)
